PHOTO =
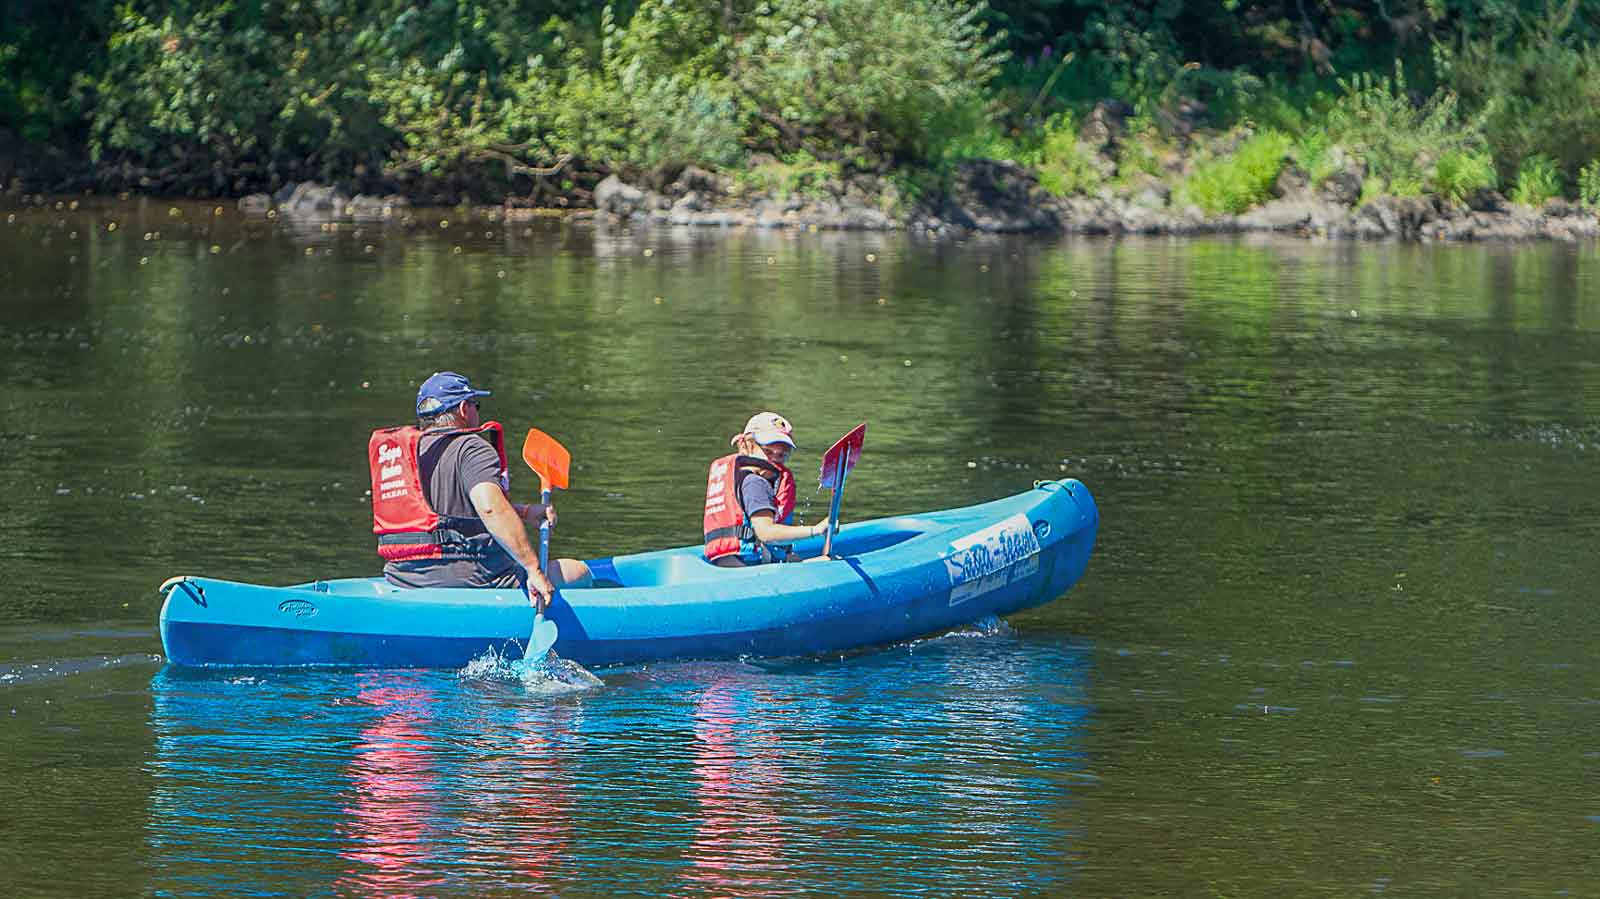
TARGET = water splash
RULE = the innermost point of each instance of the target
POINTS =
(803, 514)
(988, 626)
(549, 676)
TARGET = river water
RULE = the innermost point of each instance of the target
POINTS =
(1336, 638)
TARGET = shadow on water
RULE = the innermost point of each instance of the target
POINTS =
(945, 766)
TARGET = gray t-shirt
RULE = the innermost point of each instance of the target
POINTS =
(758, 494)
(450, 466)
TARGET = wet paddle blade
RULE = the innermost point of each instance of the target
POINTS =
(543, 637)
(845, 452)
(548, 459)
(836, 465)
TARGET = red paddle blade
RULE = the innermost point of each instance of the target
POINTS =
(846, 452)
(548, 459)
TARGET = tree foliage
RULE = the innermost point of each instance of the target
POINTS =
(894, 79)
(265, 90)
(1402, 141)
(1538, 84)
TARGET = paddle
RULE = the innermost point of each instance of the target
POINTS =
(836, 465)
(549, 460)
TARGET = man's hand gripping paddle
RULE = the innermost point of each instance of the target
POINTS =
(550, 461)
(836, 465)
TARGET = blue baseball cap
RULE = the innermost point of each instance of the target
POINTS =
(444, 390)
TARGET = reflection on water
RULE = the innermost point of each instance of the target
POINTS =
(896, 773)
(393, 789)
(740, 835)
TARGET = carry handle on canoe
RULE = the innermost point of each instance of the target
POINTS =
(550, 461)
(836, 465)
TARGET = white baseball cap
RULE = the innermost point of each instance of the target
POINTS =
(770, 427)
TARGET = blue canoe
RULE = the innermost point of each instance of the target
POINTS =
(889, 579)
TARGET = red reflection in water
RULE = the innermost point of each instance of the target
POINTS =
(394, 784)
(740, 835)
(525, 805)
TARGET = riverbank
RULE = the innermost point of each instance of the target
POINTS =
(989, 196)
(973, 196)
(995, 198)
(937, 116)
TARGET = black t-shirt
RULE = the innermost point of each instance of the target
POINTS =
(450, 466)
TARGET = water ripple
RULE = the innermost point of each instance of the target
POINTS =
(937, 768)
(38, 672)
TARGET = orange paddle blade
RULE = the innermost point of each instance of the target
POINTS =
(548, 459)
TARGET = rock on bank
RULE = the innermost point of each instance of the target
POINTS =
(999, 197)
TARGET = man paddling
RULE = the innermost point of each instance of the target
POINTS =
(439, 503)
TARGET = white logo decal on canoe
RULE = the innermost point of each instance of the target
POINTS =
(991, 558)
(299, 608)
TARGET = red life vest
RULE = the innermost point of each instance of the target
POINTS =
(407, 526)
(726, 526)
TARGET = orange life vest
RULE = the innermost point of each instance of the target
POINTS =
(726, 526)
(407, 526)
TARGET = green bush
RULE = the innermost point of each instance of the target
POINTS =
(1233, 184)
(1537, 181)
(398, 87)
(433, 88)
(1313, 152)
(621, 96)
(1142, 149)
(626, 106)
(1396, 138)
(195, 86)
(1589, 185)
(324, 88)
(1371, 189)
(890, 80)
(1406, 186)
(1064, 166)
(1536, 80)
(988, 142)
(334, 83)
(799, 174)
(1458, 173)
(674, 100)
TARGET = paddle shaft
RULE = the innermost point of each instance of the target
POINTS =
(544, 633)
(833, 507)
(544, 533)
(549, 460)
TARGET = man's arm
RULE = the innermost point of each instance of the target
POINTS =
(506, 525)
(533, 513)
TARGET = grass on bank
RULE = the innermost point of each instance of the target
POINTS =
(1589, 185)
(1064, 165)
(1232, 184)
(1537, 181)
(1461, 173)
